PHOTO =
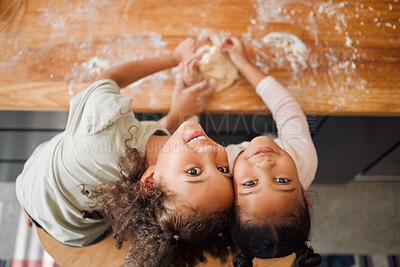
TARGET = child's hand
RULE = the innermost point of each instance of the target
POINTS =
(189, 101)
(234, 48)
(190, 72)
(188, 47)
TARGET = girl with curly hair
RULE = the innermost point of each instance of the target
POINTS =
(170, 196)
(272, 217)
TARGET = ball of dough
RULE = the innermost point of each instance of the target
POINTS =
(218, 67)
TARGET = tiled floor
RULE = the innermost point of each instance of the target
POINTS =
(359, 217)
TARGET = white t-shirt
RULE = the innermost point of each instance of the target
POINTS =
(293, 132)
(49, 188)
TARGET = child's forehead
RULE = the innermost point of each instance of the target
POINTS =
(260, 208)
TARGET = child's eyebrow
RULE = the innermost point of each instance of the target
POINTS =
(287, 190)
(195, 181)
(255, 191)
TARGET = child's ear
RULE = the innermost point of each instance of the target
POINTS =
(148, 175)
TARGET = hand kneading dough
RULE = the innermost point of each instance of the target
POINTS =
(218, 67)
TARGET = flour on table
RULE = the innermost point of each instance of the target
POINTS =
(218, 67)
(96, 65)
(294, 50)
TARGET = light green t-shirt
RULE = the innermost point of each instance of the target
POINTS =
(49, 188)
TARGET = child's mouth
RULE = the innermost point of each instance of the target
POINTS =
(263, 150)
(197, 135)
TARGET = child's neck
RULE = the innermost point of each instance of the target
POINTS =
(153, 148)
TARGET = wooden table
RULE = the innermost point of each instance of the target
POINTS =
(105, 254)
(336, 57)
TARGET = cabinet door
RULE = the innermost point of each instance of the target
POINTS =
(349, 145)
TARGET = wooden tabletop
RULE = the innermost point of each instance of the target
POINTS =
(106, 254)
(336, 57)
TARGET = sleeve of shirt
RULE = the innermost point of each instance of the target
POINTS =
(293, 132)
(233, 152)
(96, 108)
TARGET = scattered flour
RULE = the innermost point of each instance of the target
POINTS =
(349, 42)
(283, 49)
(292, 48)
(101, 54)
(95, 65)
(92, 54)
(268, 11)
(156, 78)
(59, 23)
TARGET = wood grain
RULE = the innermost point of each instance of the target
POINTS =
(53, 49)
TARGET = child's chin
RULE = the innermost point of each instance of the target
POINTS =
(262, 141)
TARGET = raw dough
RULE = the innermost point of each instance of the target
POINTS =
(218, 67)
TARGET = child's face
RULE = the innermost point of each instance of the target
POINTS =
(196, 169)
(266, 182)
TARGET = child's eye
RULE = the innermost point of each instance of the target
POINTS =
(223, 169)
(194, 171)
(251, 183)
(281, 180)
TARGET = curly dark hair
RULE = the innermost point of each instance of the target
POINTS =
(277, 237)
(160, 236)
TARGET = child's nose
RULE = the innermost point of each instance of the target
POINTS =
(206, 149)
(265, 164)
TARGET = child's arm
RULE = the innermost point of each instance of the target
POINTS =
(293, 131)
(235, 49)
(185, 102)
(130, 72)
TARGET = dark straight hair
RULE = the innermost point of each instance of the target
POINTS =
(277, 237)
